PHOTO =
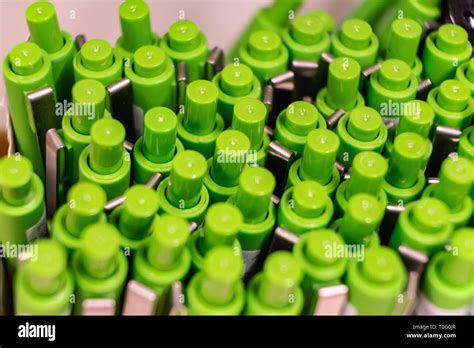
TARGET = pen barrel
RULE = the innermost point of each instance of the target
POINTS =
(160, 127)
(200, 107)
(135, 24)
(343, 83)
(404, 38)
(249, 118)
(44, 27)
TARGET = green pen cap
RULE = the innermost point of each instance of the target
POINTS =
(46, 271)
(186, 178)
(249, 118)
(100, 249)
(325, 18)
(184, 36)
(455, 180)
(200, 107)
(236, 80)
(319, 152)
(418, 118)
(281, 276)
(406, 160)
(159, 136)
(362, 217)
(221, 225)
(301, 117)
(106, 149)
(230, 157)
(367, 174)
(429, 215)
(394, 74)
(167, 242)
(222, 271)
(16, 176)
(405, 35)
(309, 199)
(315, 250)
(364, 123)
(149, 61)
(470, 70)
(453, 95)
(135, 24)
(138, 212)
(88, 97)
(451, 38)
(44, 27)
(25, 59)
(97, 55)
(254, 194)
(86, 202)
(355, 34)
(458, 267)
(264, 45)
(307, 30)
(343, 83)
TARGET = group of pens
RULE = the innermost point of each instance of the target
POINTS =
(322, 171)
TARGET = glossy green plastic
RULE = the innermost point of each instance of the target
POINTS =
(135, 28)
(249, 117)
(361, 130)
(154, 151)
(424, 226)
(393, 84)
(22, 209)
(59, 45)
(200, 124)
(276, 290)
(455, 183)
(367, 176)
(153, 78)
(217, 289)
(235, 82)
(404, 38)
(319, 255)
(305, 207)
(448, 277)
(183, 193)
(405, 179)
(452, 103)
(165, 259)
(221, 225)
(356, 40)
(85, 206)
(319, 152)
(466, 143)
(376, 283)
(306, 38)
(295, 122)
(185, 43)
(44, 285)
(342, 89)
(25, 69)
(89, 99)
(265, 54)
(97, 60)
(465, 74)
(231, 156)
(105, 161)
(135, 217)
(444, 51)
(100, 268)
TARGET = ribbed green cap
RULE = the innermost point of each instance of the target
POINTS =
(46, 271)
(364, 123)
(405, 36)
(16, 176)
(307, 30)
(167, 242)
(159, 136)
(254, 194)
(281, 276)
(44, 27)
(356, 34)
(25, 59)
(149, 61)
(367, 174)
(97, 55)
(106, 149)
(406, 160)
(301, 117)
(200, 107)
(418, 117)
(309, 199)
(451, 38)
(230, 157)
(236, 80)
(222, 271)
(249, 118)
(100, 249)
(394, 74)
(453, 95)
(343, 83)
(221, 225)
(455, 180)
(184, 36)
(186, 179)
(86, 202)
(88, 97)
(138, 212)
(135, 24)
(361, 219)
(264, 45)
